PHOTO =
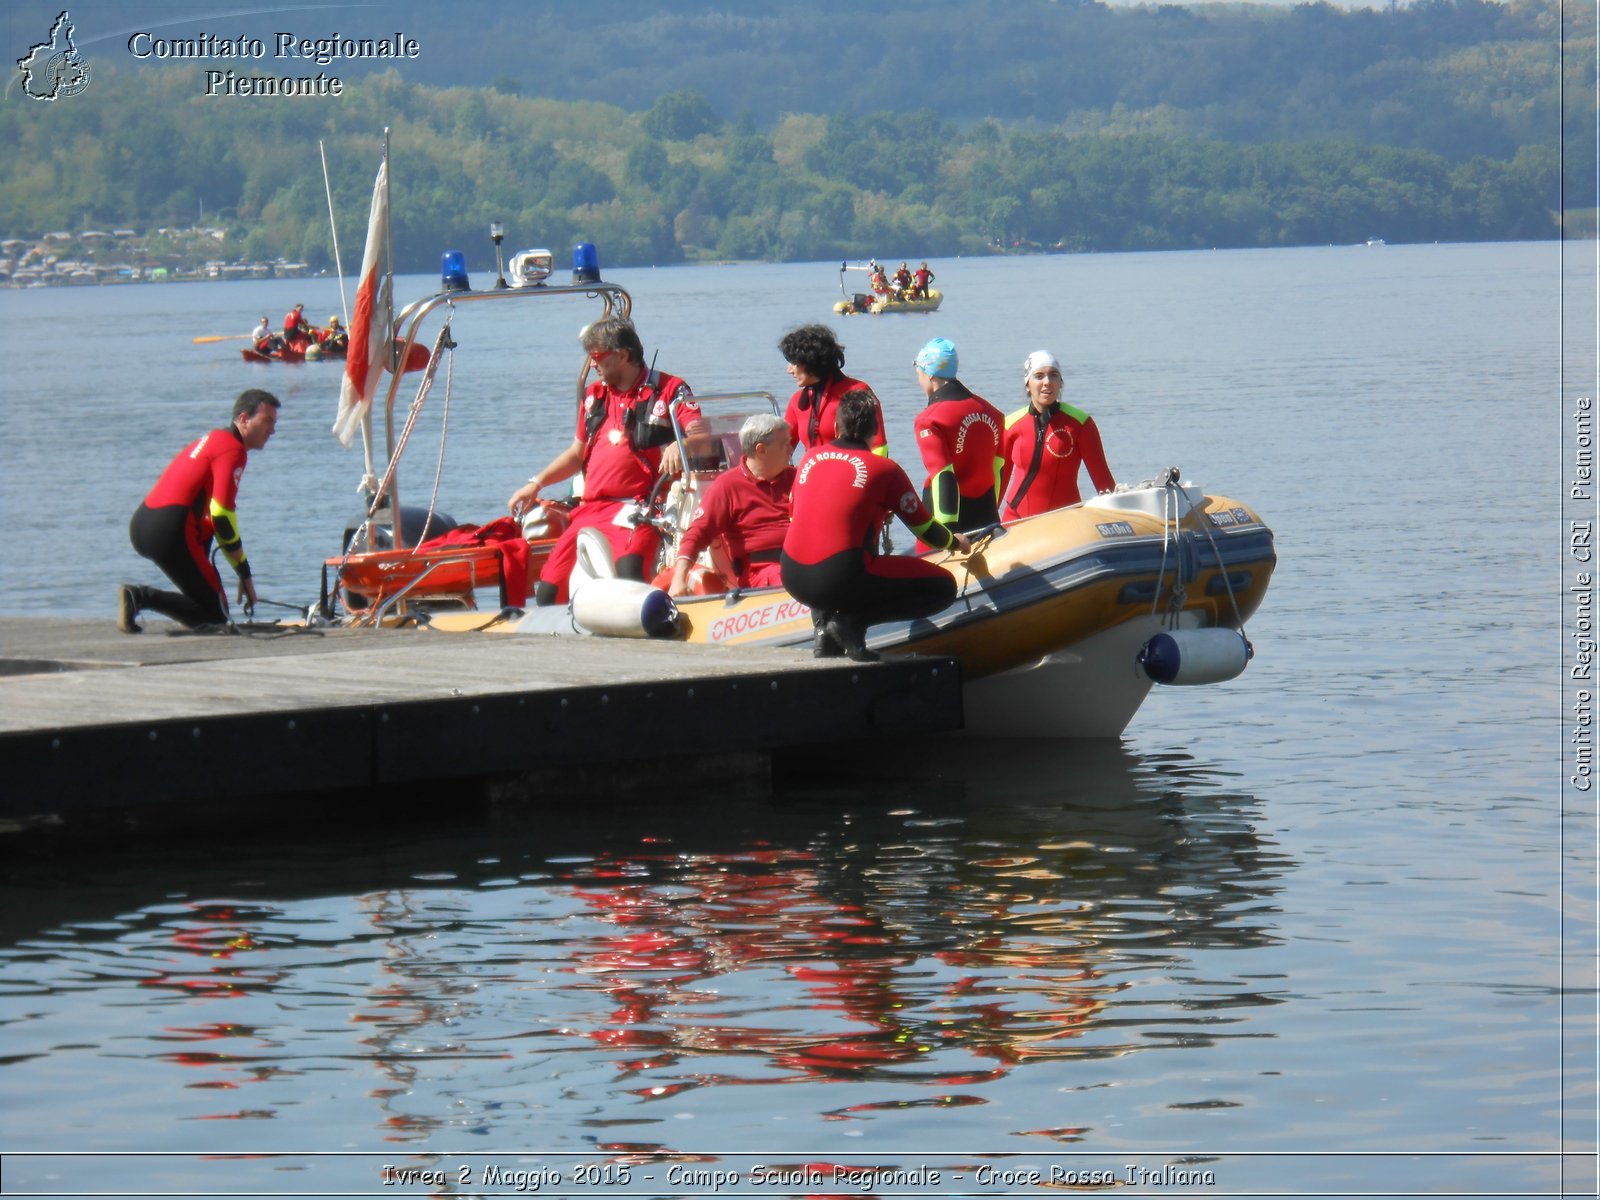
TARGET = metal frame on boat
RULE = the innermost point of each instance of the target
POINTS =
(383, 570)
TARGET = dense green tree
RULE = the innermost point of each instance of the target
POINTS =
(647, 165)
(680, 116)
(572, 181)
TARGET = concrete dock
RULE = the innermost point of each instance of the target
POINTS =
(92, 720)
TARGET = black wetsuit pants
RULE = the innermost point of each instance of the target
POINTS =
(165, 536)
(870, 588)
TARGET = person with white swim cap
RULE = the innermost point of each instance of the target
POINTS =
(1047, 442)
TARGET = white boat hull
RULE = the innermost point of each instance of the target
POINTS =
(1091, 690)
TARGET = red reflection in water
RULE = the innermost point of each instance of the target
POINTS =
(719, 915)
(222, 938)
(225, 934)
(896, 988)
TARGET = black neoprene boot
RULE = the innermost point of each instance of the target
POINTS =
(851, 634)
(826, 646)
(129, 601)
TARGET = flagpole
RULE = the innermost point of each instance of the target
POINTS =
(369, 484)
(394, 361)
(370, 355)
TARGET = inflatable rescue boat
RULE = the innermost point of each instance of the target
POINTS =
(1061, 624)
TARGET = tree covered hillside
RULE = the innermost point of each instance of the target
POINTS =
(822, 131)
(1457, 77)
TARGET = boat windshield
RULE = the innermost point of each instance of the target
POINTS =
(710, 445)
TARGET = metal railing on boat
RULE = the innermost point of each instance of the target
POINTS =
(615, 300)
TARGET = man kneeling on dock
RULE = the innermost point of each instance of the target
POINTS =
(192, 502)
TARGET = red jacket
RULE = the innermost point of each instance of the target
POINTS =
(960, 436)
(812, 411)
(205, 480)
(207, 469)
(623, 433)
(1043, 453)
(751, 515)
(842, 492)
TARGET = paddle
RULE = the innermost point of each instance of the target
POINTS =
(218, 337)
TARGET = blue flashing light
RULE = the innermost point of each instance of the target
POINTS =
(453, 271)
(585, 263)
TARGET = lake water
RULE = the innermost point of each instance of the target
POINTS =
(1326, 929)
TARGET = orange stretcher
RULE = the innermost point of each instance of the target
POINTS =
(446, 570)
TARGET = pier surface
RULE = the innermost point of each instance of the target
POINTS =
(92, 719)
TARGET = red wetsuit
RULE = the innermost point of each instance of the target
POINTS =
(921, 279)
(960, 435)
(751, 516)
(1043, 452)
(191, 503)
(842, 493)
(623, 434)
(813, 408)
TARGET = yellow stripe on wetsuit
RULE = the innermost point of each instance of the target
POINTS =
(944, 493)
(921, 532)
(225, 525)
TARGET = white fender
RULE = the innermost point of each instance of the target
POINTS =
(1185, 656)
(625, 608)
(593, 561)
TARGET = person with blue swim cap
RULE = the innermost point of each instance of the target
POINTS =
(959, 434)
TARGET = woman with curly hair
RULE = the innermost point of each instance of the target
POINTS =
(816, 362)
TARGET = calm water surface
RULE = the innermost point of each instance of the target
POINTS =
(1325, 928)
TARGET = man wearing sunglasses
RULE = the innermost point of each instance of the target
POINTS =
(624, 441)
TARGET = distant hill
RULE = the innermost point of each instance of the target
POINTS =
(680, 130)
(1456, 77)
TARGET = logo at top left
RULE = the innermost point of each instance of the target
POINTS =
(54, 68)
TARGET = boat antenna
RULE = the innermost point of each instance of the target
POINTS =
(333, 230)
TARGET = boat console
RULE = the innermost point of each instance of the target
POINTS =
(1157, 497)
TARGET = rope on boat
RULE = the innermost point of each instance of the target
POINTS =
(978, 538)
(1227, 583)
(1170, 529)
(446, 341)
(443, 342)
